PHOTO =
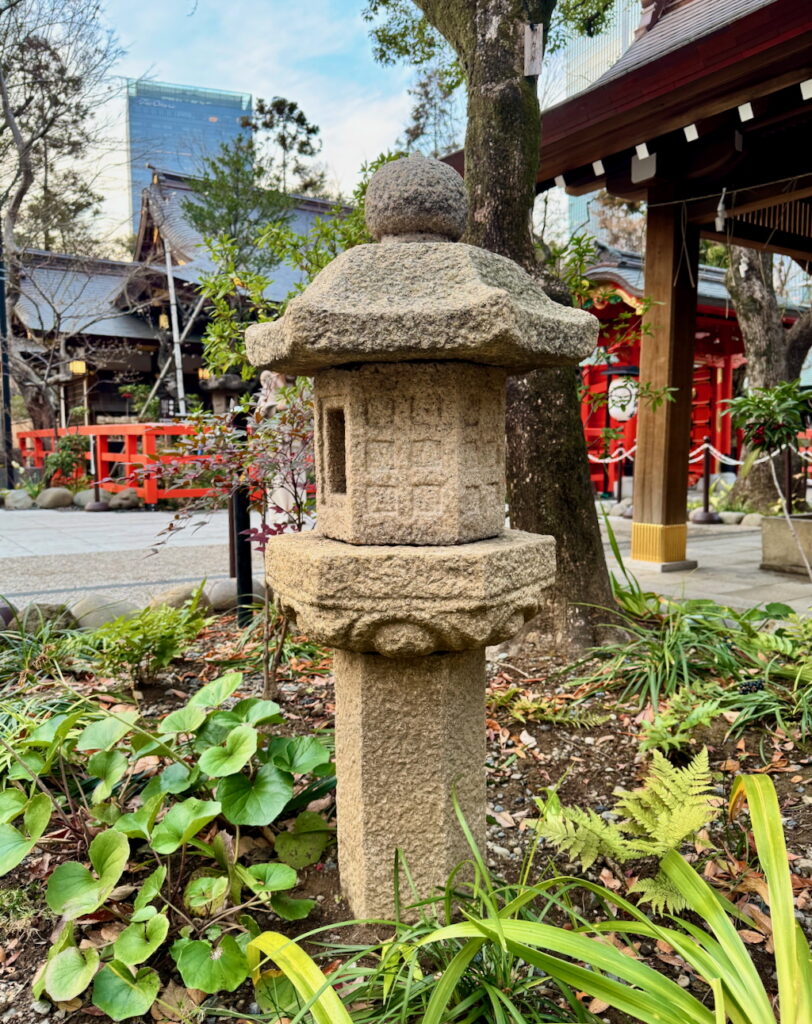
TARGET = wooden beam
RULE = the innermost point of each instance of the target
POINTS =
(659, 530)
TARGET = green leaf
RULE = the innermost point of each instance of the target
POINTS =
(290, 909)
(185, 719)
(109, 766)
(310, 983)
(183, 821)
(12, 802)
(121, 994)
(70, 972)
(150, 888)
(105, 733)
(139, 941)
(215, 730)
(206, 893)
(175, 779)
(256, 711)
(73, 891)
(297, 754)
(255, 801)
(306, 843)
(239, 747)
(32, 765)
(271, 877)
(16, 845)
(139, 824)
(214, 693)
(64, 940)
(210, 969)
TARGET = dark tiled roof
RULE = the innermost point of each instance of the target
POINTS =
(627, 270)
(164, 201)
(75, 295)
(680, 27)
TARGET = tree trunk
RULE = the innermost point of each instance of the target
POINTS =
(774, 354)
(548, 479)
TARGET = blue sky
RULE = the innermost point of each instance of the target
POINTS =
(315, 52)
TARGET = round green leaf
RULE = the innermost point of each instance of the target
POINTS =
(106, 732)
(206, 893)
(272, 877)
(208, 968)
(73, 891)
(12, 802)
(214, 693)
(121, 994)
(239, 747)
(139, 941)
(185, 719)
(290, 909)
(16, 845)
(150, 888)
(297, 754)
(109, 766)
(183, 821)
(255, 801)
(257, 711)
(70, 972)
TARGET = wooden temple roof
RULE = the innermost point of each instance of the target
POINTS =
(710, 107)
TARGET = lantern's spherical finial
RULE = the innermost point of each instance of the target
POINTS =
(416, 198)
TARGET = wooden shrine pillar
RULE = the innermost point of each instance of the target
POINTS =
(659, 529)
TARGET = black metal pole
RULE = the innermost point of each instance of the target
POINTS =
(242, 543)
(789, 482)
(706, 470)
(5, 379)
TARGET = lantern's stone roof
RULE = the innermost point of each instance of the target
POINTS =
(419, 295)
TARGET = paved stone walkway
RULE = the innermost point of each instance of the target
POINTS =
(728, 569)
(57, 555)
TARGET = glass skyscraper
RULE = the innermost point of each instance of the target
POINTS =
(173, 127)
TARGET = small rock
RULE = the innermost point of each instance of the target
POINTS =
(617, 510)
(94, 610)
(222, 594)
(176, 597)
(35, 614)
(54, 497)
(500, 851)
(41, 1006)
(128, 498)
(82, 498)
(17, 501)
(752, 519)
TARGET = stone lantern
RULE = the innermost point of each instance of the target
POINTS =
(410, 572)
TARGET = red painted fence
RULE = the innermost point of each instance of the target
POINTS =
(140, 444)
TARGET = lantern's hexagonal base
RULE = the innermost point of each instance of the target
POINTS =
(405, 601)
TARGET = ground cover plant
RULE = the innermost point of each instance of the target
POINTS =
(578, 958)
(163, 812)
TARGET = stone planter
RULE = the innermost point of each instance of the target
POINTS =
(731, 518)
(779, 551)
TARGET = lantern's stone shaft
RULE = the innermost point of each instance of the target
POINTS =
(410, 573)
(409, 732)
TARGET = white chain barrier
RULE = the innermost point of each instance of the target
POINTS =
(698, 454)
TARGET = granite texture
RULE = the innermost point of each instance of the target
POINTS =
(410, 453)
(422, 300)
(409, 733)
(416, 195)
(401, 600)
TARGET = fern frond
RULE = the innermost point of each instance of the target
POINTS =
(584, 836)
(661, 893)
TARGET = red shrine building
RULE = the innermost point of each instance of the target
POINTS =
(718, 364)
(705, 118)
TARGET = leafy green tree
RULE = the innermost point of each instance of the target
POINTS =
(289, 143)
(549, 487)
(233, 198)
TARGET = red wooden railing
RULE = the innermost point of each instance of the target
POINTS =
(140, 444)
